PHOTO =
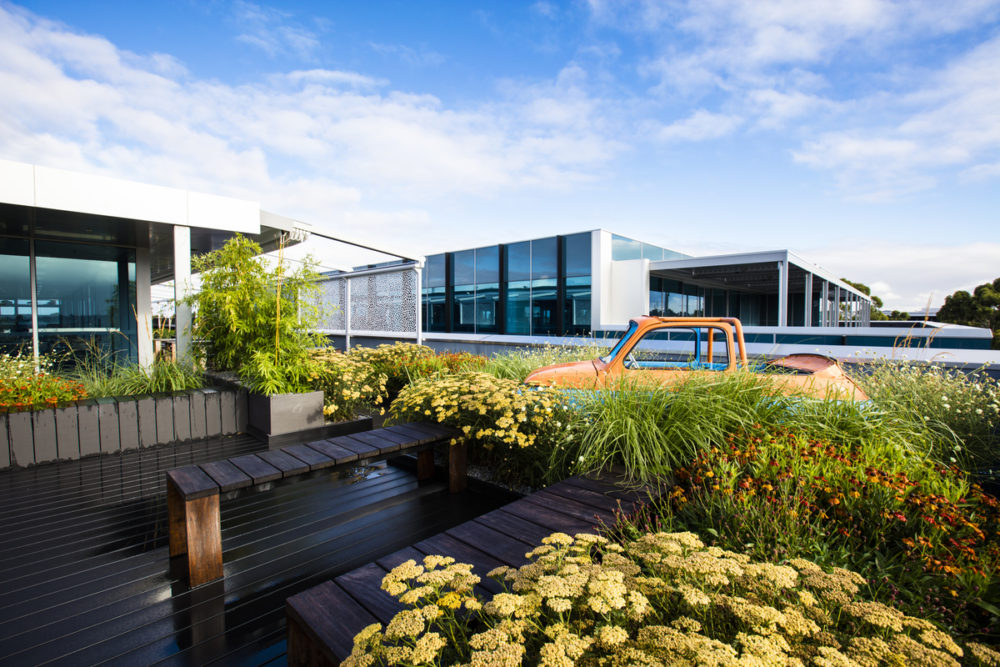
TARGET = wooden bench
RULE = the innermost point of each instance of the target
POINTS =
(193, 492)
(322, 621)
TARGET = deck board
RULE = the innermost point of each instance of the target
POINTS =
(86, 577)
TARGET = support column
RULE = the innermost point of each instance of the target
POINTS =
(347, 314)
(420, 305)
(182, 287)
(807, 318)
(824, 305)
(836, 306)
(143, 308)
(33, 282)
(783, 293)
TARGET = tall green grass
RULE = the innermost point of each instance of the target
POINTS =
(102, 375)
(652, 431)
(518, 363)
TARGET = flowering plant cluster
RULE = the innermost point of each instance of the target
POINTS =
(347, 384)
(962, 409)
(935, 537)
(22, 388)
(401, 362)
(661, 599)
(487, 409)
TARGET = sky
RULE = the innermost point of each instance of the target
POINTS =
(862, 134)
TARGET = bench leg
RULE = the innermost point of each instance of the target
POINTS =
(196, 529)
(458, 478)
(425, 464)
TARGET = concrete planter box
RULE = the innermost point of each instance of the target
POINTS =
(108, 425)
(285, 413)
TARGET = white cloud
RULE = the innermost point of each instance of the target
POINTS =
(699, 126)
(273, 31)
(909, 276)
(313, 143)
(419, 57)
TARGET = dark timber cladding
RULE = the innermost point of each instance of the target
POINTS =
(322, 621)
(85, 576)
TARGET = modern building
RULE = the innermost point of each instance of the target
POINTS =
(79, 253)
(591, 282)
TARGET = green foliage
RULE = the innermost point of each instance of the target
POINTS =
(102, 375)
(400, 362)
(508, 424)
(651, 430)
(256, 319)
(517, 364)
(659, 599)
(899, 315)
(960, 411)
(349, 385)
(979, 309)
(928, 537)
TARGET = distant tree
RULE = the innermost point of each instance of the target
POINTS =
(979, 309)
(899, 315)
(876, 312)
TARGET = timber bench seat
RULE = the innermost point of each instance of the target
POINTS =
(194, 492)
(322, 621)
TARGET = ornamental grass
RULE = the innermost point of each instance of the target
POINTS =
(928, 538)
(661, 599)
(961, 410)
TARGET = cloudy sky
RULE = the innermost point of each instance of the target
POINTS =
(862, 134)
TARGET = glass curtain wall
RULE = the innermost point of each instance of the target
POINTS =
(577, 284)
(540, 287)
(673, 298)
(85, 298)
(434, 293)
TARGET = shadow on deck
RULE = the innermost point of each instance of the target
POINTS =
(85, 574)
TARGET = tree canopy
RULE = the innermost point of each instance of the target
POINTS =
(979, 309)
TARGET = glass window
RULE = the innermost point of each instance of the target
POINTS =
(434, 271)
(15, 296)
(576, 251)
(464, 308)
(652, 252)
(488, 265)
(487, 297)
(463, 267)
(84, 292)
(518, 307)
(676, 304)
(434, 309)
(673, 254)
(624, 248)
(519, 261)
(576, 316)
(544, 259)
(544, 307)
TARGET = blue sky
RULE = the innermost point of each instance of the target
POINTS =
(862, 134)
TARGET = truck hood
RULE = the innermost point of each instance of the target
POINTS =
(570, 374)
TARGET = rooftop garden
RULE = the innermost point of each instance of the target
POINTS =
(784, 530)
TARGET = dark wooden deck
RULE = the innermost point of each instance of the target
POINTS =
(84, 566)
(323, 620)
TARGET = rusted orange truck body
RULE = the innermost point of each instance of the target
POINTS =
(695, 346)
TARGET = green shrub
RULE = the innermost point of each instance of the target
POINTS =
(348, 385)
(962, 411)
(256, 319)
(517, 364)
(662, 599)
(925, 533)
(511, 426)
(400, 362)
